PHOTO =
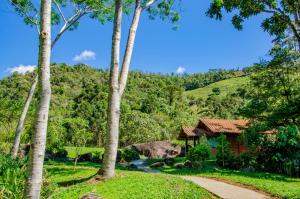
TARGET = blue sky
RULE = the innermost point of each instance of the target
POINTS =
(199, 44)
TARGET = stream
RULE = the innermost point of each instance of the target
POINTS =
(141, 164)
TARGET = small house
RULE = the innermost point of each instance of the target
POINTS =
(212, 128)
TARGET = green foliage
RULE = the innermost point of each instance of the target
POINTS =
(13, 175)
(129, 155)
(5, 148)
(97, 152)
(273, 96)
(200, 152)
(281, 153)
(224, 156)
(280, 14)
(154, 106)
(57, 150)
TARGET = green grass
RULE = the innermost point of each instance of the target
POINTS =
(72, 183)
(83, 150)
(226, 86)
(274, 184)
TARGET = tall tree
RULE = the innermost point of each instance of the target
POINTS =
(35, 169)
(97, 9)
(118, 84)
(283, 15)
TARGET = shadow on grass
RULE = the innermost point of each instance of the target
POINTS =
(75, 181)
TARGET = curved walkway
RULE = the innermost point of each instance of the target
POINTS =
(224, 190)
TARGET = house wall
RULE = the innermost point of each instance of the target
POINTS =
(235, 144)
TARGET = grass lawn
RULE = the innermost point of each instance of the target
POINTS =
(277, 185)
(226, 86)
(72, 183)
(82, 150)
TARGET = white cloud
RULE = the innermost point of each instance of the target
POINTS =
(180, 70)
(85, 55)
(21, 69)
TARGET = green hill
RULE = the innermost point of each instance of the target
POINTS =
(225, 86)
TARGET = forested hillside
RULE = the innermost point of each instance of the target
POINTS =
(154, 106)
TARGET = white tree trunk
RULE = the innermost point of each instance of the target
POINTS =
(117, 88)
(22, 118)
(111, 145)
(35, 168)
(21, 122)
(129, 46)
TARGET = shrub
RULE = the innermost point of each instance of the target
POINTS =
(246, 160)
(281, 153)
(225, 157)
(129, 155)
(97, 156)
(56, 151)
(13, 175)
(200, 152)
(5, 147)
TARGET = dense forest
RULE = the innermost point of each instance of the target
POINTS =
(155, 106)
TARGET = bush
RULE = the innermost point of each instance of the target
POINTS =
(57, 151)
(200, 152)
(281, 153)
(225, 157)
(129, 155)
(97, 156)
(13, 175)
(5, 147)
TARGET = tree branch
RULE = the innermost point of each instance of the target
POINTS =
(35, 23)
(129, 47)
(149, 4)
(69, 23)
(59, 10)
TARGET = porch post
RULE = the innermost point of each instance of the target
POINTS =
(186, 145)
(194, 141)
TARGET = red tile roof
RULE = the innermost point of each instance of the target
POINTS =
(189, 132)
(225, 126)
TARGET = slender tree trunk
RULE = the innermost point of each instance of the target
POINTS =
(129, 46)
(22, 118)
(111, 145)
(117, 88)
(21, 122)
(35, 168)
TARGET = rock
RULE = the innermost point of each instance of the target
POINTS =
(157, 164)
(179, 165)
(24, 150)
(90, 196)
(169, 161)
(188, 164)
(159, 149)
(196, 165)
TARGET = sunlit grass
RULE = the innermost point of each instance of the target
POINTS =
(126, 185)
(226, 86)
(277, 185)
(82, 150)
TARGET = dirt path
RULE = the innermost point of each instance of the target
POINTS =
(224, 190)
